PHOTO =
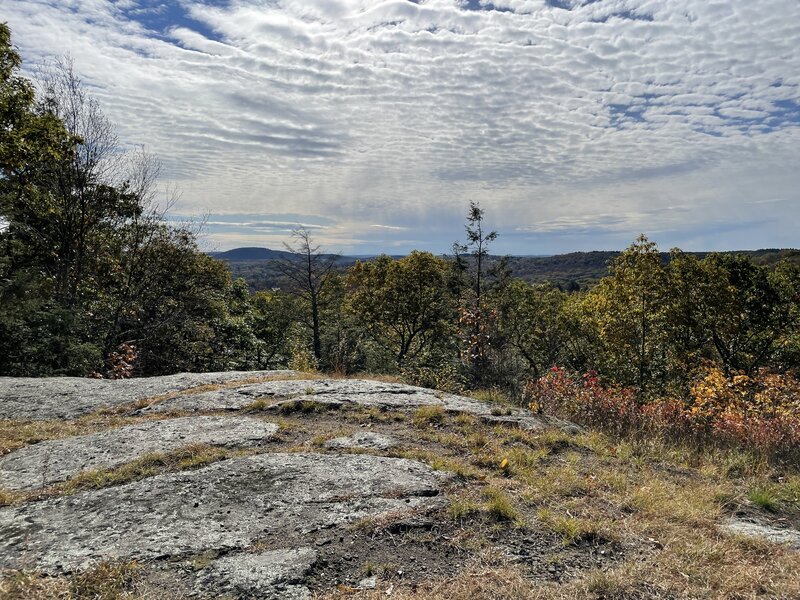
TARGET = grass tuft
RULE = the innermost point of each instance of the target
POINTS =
(461, 509)
(305, 407)
(104, 581)
(499, 506)
(260, 404)
(491, 396)
(426, 416)
(572, 530)
(189, 457)
(764, 498)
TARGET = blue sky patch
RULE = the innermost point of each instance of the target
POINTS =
(485, 6)
(159, 17)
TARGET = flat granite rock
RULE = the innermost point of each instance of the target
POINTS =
(222, 507)
(342, 392)
(362, 439)
(322, 390)
(36, 399)
(273, 575)
(52, 461)
(783, 536)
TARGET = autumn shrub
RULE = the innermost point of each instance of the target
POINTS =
(302, 358)
(121, 363)
(582, 398)
(760, 413)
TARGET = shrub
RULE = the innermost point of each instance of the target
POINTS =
(759, 413)
(583, 399)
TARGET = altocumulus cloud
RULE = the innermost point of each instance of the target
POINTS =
(576, 123)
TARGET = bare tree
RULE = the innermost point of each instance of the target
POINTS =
(309, 270)
(85, 189)
(142, 173)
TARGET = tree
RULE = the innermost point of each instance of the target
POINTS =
(187, 314)
(785, 352)
(32, 140)
(477, 246)
(751, 312)
(477, 323)
(272, 315)
(688, 306)
(404, 304)
(33, 143)
(69, 206)
(627, 311)
(345, 344)
(529, 320)
(310, 272)
(87, 262)
(89, 194)
(127, 255)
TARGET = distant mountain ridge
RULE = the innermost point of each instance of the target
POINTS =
(253, 253)
(250, 253)
(573, 270)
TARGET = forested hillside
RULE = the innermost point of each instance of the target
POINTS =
(570, 272)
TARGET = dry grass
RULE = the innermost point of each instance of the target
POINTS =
(305, 407)
(198, 389)
(500, 507)
(662, 506)
(373, 414)
(318, 441)
(427, 416)
(106, 581)
(381, 377)
(451, 464)
(491, 396)
(17, 434)
(189, 457)
(478, 581)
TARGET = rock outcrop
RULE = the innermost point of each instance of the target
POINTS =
(224, 507)
(53, 461)
(276, 395)
(48, 398)
(268, 485)
(259, 522)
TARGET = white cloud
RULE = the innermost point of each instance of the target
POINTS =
(400, 113)
(392, 227)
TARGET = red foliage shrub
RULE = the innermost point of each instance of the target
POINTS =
(761, 413)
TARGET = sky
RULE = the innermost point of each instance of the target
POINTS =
(576, 124)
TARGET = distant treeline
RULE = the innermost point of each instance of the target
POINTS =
(570, 272)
